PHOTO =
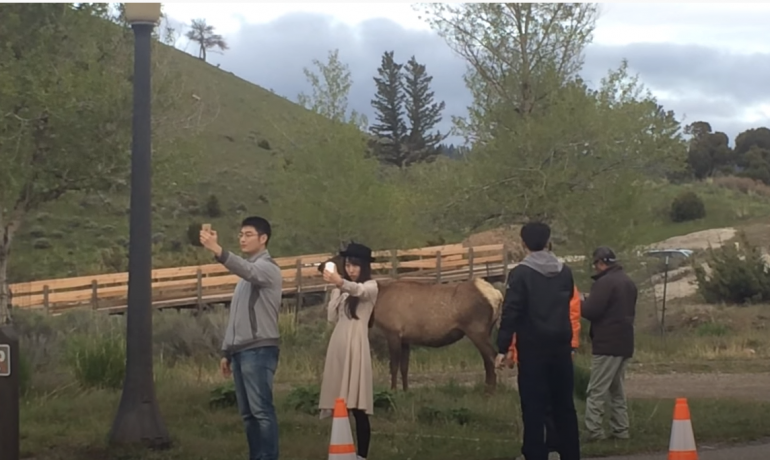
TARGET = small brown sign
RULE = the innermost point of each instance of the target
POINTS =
(5, 360)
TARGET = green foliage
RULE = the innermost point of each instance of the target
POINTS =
(223, 396)
(334, 192)
(25, 373)
(404, 95)
(736, 275)
(430, 415)
(194, 234)
(384, 400)
(711, 329)
(304, 399)
(213, 209)
(97, 361)
(687, 206)
(42, 243)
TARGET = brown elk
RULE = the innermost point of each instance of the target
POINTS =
(434, 315)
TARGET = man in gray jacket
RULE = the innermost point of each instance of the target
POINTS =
(251, 344)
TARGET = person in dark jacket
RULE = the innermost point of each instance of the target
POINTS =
(611, 308)
(536, 308)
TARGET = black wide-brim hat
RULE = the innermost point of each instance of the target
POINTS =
(359, 251)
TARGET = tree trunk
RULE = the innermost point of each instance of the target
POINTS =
(5, 300)
(6, 236)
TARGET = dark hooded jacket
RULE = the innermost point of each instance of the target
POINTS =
(537, 305)
(611, 309)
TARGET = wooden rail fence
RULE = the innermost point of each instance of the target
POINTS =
(204, 284)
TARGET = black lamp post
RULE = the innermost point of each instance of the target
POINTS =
(138, 420)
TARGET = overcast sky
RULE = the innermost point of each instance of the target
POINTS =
(705, 61)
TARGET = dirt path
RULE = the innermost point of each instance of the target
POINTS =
(755, 387)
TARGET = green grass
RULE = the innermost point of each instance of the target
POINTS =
(68, 404)
(445, 421)
(228, 158)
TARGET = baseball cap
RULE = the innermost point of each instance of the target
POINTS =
(604, 254)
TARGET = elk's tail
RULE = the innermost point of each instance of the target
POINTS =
(493, 296)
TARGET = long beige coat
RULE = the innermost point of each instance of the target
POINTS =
(348, 367)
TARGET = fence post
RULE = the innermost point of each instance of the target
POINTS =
(506, 261)
(46, 302)
(199, 288)
(470, 263)
(94, 294)
(394, 264)
(438, 267)
(298, 280)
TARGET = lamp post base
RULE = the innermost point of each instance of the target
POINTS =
(139, 424)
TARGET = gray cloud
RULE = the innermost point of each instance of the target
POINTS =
(700, 82)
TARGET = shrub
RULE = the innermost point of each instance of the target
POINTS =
(194, 234)
(223, 396)
(37, 231)
(212, 207)
(304, 399)
(744, 185)
(264, 144)
(96, 360)
(687, 206)
(735, 274)
(42, 243)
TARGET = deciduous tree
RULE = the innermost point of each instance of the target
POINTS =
(65, 110)
(518, 54)
(203, 34)
(546, 146)
(331, 83)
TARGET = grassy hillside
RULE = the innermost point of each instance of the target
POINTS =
(242, 132)
(242, 128)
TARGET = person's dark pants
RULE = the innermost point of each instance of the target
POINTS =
(551, 437)
(546, 377)
(253, 372)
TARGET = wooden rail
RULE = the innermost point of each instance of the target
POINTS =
(204, 284)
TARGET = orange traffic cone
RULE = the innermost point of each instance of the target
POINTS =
(682, 443)
(341, 446)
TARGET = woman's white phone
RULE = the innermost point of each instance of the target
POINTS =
(330, 267)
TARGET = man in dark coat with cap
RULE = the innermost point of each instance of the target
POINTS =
(611, 309)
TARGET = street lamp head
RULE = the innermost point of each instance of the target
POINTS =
(142, 13)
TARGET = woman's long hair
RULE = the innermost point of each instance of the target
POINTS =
(351, 304)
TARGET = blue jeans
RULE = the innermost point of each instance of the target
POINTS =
(253, 372)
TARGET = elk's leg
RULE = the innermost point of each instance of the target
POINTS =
(482, 343)
(405, 365)
(394, 349)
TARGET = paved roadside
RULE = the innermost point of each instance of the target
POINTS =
(748, 452)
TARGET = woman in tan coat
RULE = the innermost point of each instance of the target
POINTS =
(348, 367)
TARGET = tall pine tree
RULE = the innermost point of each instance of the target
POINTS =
(403, 94)
(423, 114)
(388, 102)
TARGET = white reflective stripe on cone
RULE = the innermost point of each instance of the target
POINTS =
(341, 432)
(682, 437)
